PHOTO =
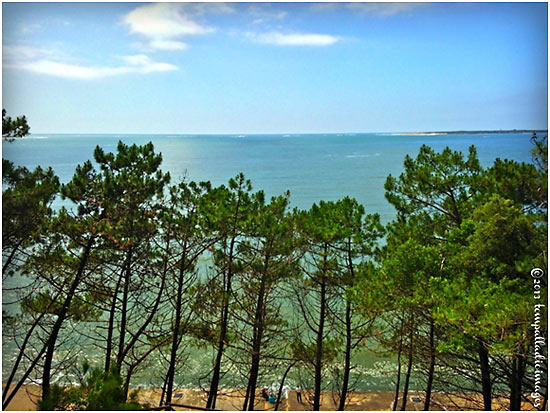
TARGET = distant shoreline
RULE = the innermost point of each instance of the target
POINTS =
(473, 132)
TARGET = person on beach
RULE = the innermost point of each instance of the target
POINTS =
(264, 394)
(299, 395)
(271, 398)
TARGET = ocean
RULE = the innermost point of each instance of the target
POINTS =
(312, 167)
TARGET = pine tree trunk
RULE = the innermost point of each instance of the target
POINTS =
(20, 355)
(175, 338)
(123, 311)
(347, 361)
(516, 377)
(111, 325)
(485, 376)
(12, 255)
(431, 368)
(409, 369)
(46, 374)
(320, 332)
(398, 382)
(256, 346)
(246, 397)
(213, 393)
(23, 378)
(126, 384)
(280, 392)
(163, 394)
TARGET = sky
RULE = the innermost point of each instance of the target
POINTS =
(199, 68)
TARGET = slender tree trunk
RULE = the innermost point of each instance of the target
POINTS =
(123, 317)
(347, 361)
(320, 332)
(409, 368)
(258, 335)
(126, 385)
(6, 395)
(213, 393)
(20, 355)
(398, 382)
(111, 325)
(152, 313)
(136, 363)
(12, 255)
(516, 378)
(246, 397)
(175, 338)
(163, 393)
(21, 381)
(61, 318)
(279, 393)
(485, 376)
(255, 366)
(431, 368)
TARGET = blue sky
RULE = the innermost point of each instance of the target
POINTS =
(275, 68)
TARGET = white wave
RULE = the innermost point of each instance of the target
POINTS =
(36, 137)
(355, 155)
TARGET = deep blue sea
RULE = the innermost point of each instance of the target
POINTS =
(313, 167)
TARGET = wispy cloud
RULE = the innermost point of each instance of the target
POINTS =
(265, 13)
(15, 53)
(375, 9)
(29, 28)
(383, 9)
(45, 62)
(294, 39)
(165, 24)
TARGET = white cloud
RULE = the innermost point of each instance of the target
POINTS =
(16, 53)
(163, 24)
(376, 9)
(294, 39)
(33, 61)
(264, 13)
(383, 9)
(29, 28)
(216, 8)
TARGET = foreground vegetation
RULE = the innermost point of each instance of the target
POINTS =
(145, 267)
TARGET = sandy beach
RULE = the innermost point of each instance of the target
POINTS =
(232, 400)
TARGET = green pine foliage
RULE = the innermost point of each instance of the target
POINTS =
(145, 269)
(14, 128)
(98, 391)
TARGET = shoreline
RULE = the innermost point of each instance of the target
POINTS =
(475, 132)
(232, 400)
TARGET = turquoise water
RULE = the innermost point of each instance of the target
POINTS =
(313, 167)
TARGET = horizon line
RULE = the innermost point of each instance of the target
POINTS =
(517, 130)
